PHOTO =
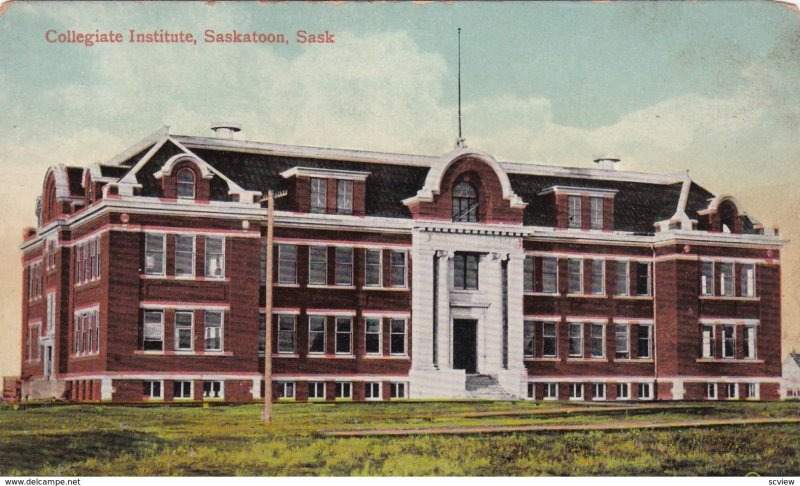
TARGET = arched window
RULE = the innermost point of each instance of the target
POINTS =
(185, 183)
(465, 203)
(728, 213)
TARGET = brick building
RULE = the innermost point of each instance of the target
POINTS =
(396, 276)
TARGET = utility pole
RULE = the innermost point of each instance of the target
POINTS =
(271, 196)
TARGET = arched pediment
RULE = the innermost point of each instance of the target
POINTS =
(169, 166)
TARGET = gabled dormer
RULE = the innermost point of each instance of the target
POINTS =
(184, 178)
(326, 191)
(581, 208)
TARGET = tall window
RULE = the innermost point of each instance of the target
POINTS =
(706, 278)
(528, 273)
(344, 196)
(181, 389)
(287, 264)
(598, 277)
(212, 389)
(576, 340)
(344, 335)
(645, 341)
(596, 213)
(598, 391)
(527, 338)
(153, 254)
(642, 278)
(153, 332)
(708, 344)
(185, 184)
(316, 389)
(623, 391)
(749, 335)
(747, 285)
(465, 203)
(397, 260)
(373, 335)
(621, 279)
(574, 211)
(576, 391)
(318, 265)
(726, 279)
(286, 326)
(550, 275)
(621, 341)
(262, 264)
(319, 195)
(728, 341)
(397, 338)
(598, 341)
(344, 266)
(184, 256)
(214, 330)
(575, 267)
(465, 271)
(549, 340)
(51, 312)
(316, 334)
(215, 256)
(262, 332)
(183, 330)
(372, 268)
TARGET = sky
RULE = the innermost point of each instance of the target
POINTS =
(708, 87)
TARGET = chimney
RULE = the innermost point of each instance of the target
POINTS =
(226, 130)
(607, 162)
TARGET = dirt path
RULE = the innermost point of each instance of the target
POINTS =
(583, 410)
(611, 425)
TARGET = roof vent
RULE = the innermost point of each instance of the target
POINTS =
(607, 162)
(226, 130)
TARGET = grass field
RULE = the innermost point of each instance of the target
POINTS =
(230, 440)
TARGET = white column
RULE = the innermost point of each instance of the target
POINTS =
(422, 308)
(491, 272)
(106, 389)
(516, 262)
(444, 335)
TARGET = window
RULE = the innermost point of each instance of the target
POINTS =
(32, 343)
(752, 390)
(645, 391)
(527, 339)
(398, 336)
(344, 334)
(575, 267)
(645, 341)
(598, 337)
(372, 335)
(184, 256)
(316, 334)
(212, 389)
(706, 278)
(153, 254)
(183, 330)
(372, 391)
(318, 265)
(287, 264)
(398, 390)
(181, 389)
(344, 389)
(549, 275)
(596, 213)
(397, 260)
(372, 268)
(316, 390)
(549, 340)
(747, 285)
(732, 391)
(576, 340)
(262, 332)
(728, 341)
(550, 391)
(708, 343)
(532, 391)
(598, 391)
(35, 279)
(465, 271)
(286, 334)
(344, 266)
(642, 278)
(215, 256)
(711, 391)
(185, 184)
(87, 269)
(76, 338)
(621, 341)
(152, 390)
(622, 278)
(528, 274)
(598, 277)
(344, 196)
(726, 279)
(749, 335)
(285, 389)
(262, 264)
(153, 331)
(319, 195)
(214, 331)
(576, 391)
(574, 211)
(51, 312)
(51, 253)
(92, 259)
(465, 203)
(623, 391)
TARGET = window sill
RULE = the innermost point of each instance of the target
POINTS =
(332, 287)
(397, 289)
(733, 298)
(83, 357)
(543, 294)
(86, 283)
(183, 278)
(393, 356)
(182, 353)
(729, 360)
(633, 297)
(588, 296)
(637, 360)
(554, 358)
(587, 360)
(464, 291)
(285, 355)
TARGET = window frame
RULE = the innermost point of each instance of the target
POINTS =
(571, 326)
(193, 255)
(617, 349)
(284, 331)
(209, 254)
(749, 349)
(151, 270)
(648, 340)
(626, 290)
(368, 265)
(461, 277)
(648, 283)
(182, 390)
(340, 387)
(574, 209)
(211, 386)
(321, 193)
(282, 261)
(528, 336)
(735, 388)
(283, 387)
(571, 264)
(593, 275)
(643, 386)
(370, 387)
(145, 313)
(727, 280)
(623, 386)
(176, 344)
(179, 183)
(349, 334)
(547, 337)
(312, 333)
(340, 262)
(707, 278)
(206, 340)
(550, 391)
(147, 390)
(528, 274)
(726, 340)
(596, 204)
(403, 334)
(712, 341)
(592, 338)
(574, 389)
(394, 390)
(597, 396)
(712, 391)
(344, 196)
(747, 285)
(553, 275)
(315, 386)
(464, 209)
(318, 261)
(393, 267)
(368, 333)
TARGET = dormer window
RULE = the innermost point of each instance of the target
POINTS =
(582, 208)
(327, 191)
(319, 195)
(596, 213)
(185, 184)
(465, 203)
(344, 196)
(574, 211)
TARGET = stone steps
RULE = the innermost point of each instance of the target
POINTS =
(486, 387)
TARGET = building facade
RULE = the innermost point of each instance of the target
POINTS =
(396, 276)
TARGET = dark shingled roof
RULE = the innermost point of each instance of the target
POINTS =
(75, 176)
(113, 171)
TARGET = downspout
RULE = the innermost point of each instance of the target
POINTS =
(655, 331)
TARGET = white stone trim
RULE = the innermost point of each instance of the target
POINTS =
(350, 175)
(578, 191)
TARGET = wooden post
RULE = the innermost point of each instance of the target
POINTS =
(267, 416)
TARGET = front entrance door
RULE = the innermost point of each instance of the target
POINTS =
(48, 361)
(465, 345)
